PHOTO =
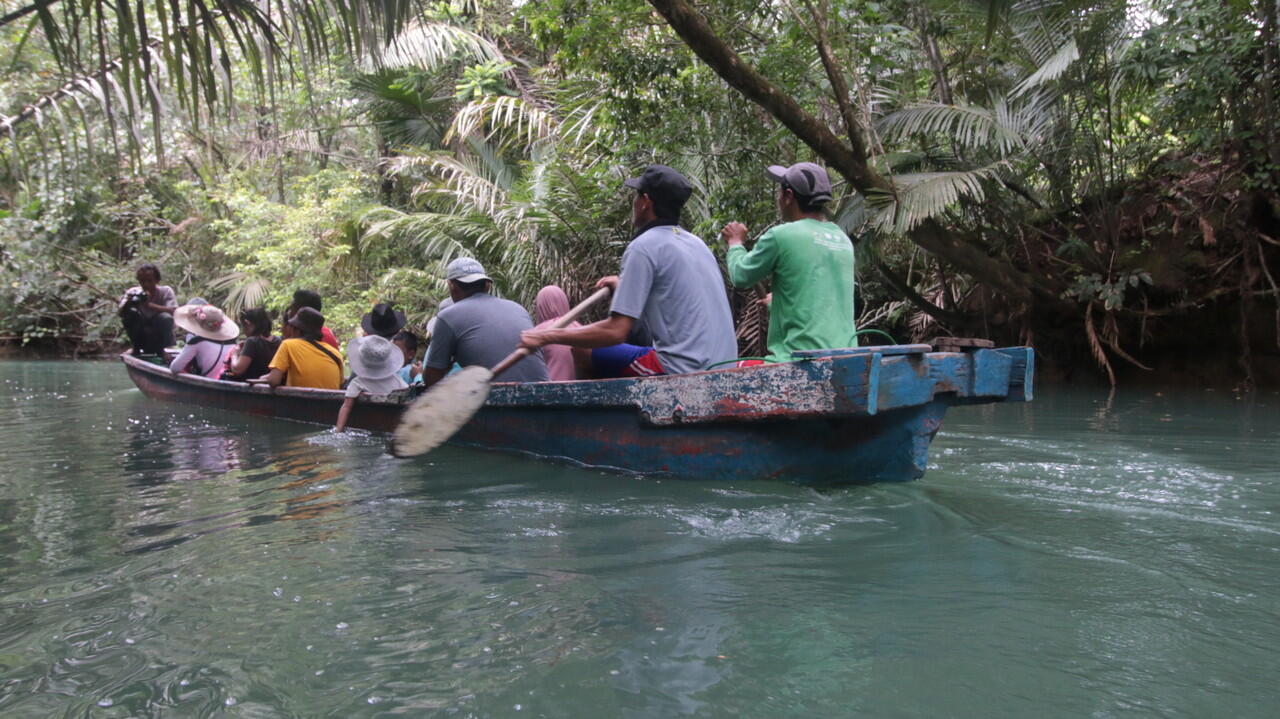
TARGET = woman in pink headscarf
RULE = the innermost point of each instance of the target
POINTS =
(552, 302)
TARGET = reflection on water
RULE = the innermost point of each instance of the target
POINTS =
(1077, 556)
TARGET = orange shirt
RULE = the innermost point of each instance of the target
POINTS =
(305, 365)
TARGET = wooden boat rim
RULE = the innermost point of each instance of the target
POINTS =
(400, 398)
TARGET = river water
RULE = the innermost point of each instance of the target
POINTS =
(1076, 556)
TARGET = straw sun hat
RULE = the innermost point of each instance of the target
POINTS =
(206, 321)
(374, 357)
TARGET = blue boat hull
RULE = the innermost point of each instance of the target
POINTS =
(833, 417)
(892, 447)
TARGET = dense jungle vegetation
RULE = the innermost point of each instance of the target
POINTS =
(1094, 177)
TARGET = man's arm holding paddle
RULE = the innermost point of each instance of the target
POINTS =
(604, 333)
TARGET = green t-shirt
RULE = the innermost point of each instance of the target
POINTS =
(812, 266)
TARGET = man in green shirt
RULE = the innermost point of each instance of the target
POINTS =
(811, 261)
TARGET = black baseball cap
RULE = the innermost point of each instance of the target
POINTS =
(663, 185)
(809, 181)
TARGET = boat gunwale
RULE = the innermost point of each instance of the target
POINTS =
(401, 397)
(857, 381)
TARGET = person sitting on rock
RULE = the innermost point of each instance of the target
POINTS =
(146, 310)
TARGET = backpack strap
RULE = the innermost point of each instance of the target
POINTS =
(329, 353)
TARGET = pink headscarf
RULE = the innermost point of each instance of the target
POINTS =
(551, 304)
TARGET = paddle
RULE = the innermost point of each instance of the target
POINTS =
(442, 410)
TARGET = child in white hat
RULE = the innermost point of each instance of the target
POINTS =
(374, 361)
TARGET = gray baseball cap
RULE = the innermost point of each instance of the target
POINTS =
(807, 180)
(465, 269)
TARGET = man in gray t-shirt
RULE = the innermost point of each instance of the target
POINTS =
(670, 283)
(478, 329)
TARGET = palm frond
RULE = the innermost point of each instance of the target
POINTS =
(968, 125)
(526, 124)
(436, 236)
(924, 195)
(243, 290)
(431, 45)
(1051, 69)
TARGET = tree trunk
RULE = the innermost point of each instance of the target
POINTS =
(1270, 76)
(933, 53)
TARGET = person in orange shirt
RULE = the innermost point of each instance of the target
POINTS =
(303, 360)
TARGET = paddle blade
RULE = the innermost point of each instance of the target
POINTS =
(440, 412)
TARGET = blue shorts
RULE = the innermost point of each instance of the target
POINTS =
(625, 360)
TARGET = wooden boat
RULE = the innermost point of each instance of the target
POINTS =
(857, 415)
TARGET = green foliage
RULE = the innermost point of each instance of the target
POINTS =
(310, 241)
(483, 80)
(65, 258)
(1111, 293)
(1048, 135)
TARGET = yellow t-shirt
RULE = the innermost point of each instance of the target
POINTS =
(305, 365)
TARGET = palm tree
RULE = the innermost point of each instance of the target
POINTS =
(123, 65)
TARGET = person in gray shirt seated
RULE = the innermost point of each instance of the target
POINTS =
(670, 285)
(478, 329)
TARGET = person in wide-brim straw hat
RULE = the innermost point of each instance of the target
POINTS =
(210, 340)
(206, 321)
(376, 363)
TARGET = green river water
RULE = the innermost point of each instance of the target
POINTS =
(1073, 557)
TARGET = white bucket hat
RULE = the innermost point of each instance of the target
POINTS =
(374, 357)
(206, 321)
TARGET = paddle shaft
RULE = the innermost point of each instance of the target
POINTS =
(560, 323)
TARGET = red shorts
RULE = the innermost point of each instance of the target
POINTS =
(626, 361)
(646, 365)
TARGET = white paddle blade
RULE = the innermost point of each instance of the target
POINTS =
(440, 412)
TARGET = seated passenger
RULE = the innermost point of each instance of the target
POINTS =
(308, 298)
(384, 321)
(374, 362)
(146, 310)
(478, 329)
(259, 347)
(550, 304)
(810, 260)
(670, 284)
(407, 342)
(211, 340)
(302, 360)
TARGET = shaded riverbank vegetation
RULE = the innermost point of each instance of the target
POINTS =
(1098, 179)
